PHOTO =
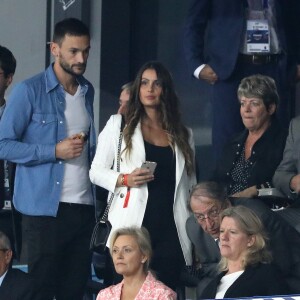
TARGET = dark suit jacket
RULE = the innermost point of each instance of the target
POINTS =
(290, 164)
(258, 280)
(17, 285)
(215, 28)
(266, 155)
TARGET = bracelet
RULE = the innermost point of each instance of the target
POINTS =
(122, 180)
(125, 176)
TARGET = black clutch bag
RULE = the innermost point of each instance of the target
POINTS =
(100, 235)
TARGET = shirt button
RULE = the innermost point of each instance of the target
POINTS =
(122, 195)
(60, 162)
(227, 174)
(57, 182)
(238, 153)
(60, 122)
(43, 121)
(253, 152)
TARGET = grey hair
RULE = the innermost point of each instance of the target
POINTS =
(210, 189)
(127, 86)
(4, 241)
(261, 87)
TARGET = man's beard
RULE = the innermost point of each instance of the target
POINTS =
(68, 69)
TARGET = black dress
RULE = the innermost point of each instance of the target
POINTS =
(167, 260)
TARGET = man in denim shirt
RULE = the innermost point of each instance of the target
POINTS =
(47, 129)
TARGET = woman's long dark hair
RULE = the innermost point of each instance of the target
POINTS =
(169, 110)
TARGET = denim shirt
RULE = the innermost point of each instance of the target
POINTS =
(31, 126)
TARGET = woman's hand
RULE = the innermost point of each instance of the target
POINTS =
(137, 177)
(250, 192)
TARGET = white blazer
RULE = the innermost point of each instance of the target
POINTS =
(101, 174)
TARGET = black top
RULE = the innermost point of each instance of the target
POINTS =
(240, 174)
(159, 217)
(257, 280)
(265, 156)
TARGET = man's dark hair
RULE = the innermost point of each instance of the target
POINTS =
(7, 61)
(70, 26)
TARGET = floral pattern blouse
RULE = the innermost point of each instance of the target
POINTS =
(152, 289)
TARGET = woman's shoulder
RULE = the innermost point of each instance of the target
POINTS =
(114, 119)
(264, 268)
(110, 293)
(113, 123)
(270, 277)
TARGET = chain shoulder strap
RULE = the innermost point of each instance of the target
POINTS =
(109, 202)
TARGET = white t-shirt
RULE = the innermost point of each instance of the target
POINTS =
(226, 282)
(76, 183)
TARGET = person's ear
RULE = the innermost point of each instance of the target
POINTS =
(54, 48)
(9, 79)
(271, 109)
(251, 241)
(144, 259)
(8, 257)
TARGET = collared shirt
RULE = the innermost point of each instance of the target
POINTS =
(33, 123)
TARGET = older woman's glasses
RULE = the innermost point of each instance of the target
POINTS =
(212, 214)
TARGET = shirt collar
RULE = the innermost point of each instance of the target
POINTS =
(52, 81)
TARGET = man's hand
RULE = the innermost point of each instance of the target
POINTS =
(207, 74)
(295, 184)
(70, 147)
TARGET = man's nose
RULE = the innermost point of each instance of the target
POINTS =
(81, 57)
(209, 222)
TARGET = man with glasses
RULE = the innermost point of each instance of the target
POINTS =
(14, 283)
(207, 201)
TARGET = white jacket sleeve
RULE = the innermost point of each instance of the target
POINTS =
(101, 172)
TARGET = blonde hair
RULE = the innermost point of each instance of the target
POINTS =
(141, 236)
(249, 223)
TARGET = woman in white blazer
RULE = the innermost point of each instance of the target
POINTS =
(154, 132)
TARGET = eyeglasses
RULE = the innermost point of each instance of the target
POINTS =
(212, 214)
